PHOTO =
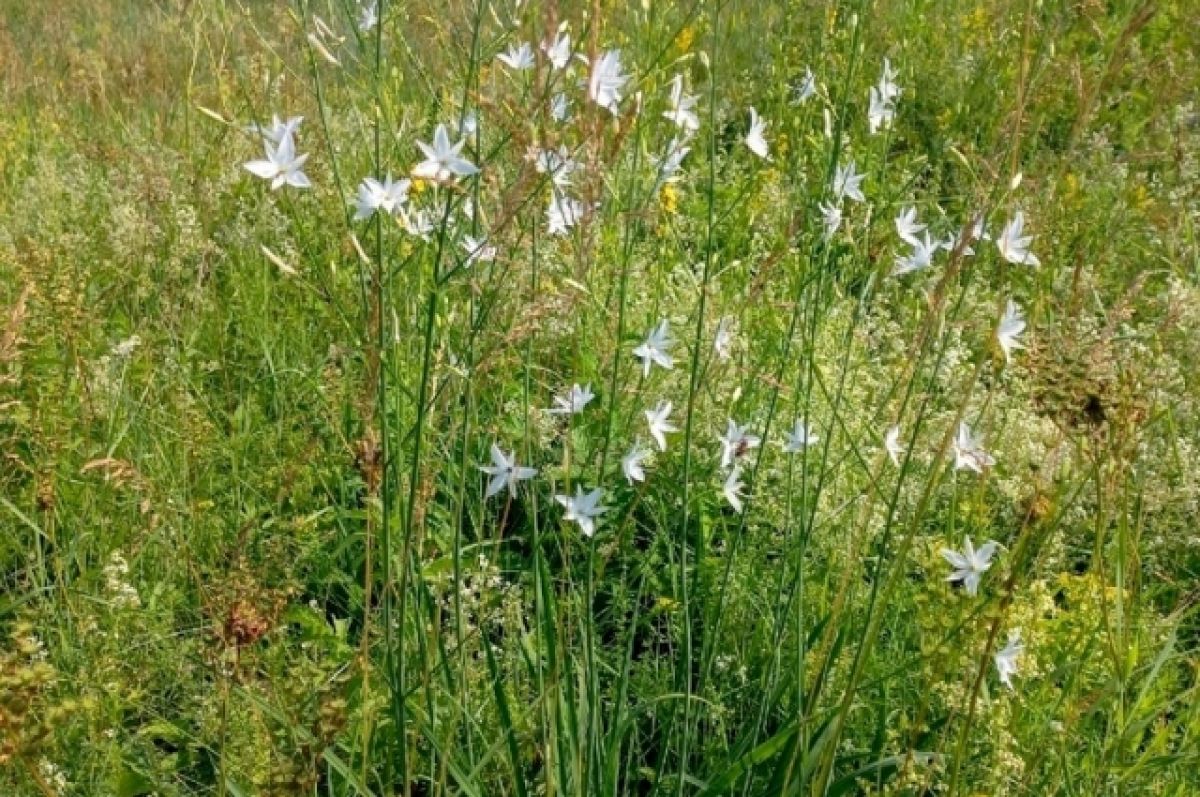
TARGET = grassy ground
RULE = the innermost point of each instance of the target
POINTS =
(246, 547)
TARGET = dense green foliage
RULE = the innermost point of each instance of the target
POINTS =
(245, 546)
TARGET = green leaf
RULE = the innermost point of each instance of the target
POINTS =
(131, 783)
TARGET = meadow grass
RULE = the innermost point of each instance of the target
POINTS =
(246, 544)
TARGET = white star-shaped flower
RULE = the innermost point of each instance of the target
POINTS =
(1014, 244)
(736, 442)
(557, 163)
(606, 81)
(277, 129)
(563, 213)
(907, 225)
(755, 138)
(880, 112)
(965, 237)
(478, 251)
(800, 438)
(560, 107)
(559, 50)
(969, 565)
(659, 425)
(418, 222)
(732, 489)
(573, 401)
(443, 160)
(583, 508)
(373, 195)
(633, 464)
(680, 111)
(518, 57)
(1006, 658)
(969, 453)
(918, 258)
(656, 349)
(505, 472)
(282, 166)
(888, 89)
(848, 183)
(368, 15)
(1012, 324)
(831, 218)
(806, 88)
(671, 162)
(891, 444)
(724, 339)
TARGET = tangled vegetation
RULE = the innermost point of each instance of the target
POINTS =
(525, 397)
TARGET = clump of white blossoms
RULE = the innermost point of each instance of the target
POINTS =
(969, 565)
(443, 160)
(126, 347)
(505, 472)
(116, 578)
(583, 508)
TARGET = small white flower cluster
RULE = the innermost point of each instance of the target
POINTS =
(116, 573)
(53, 775)
(481, 595)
